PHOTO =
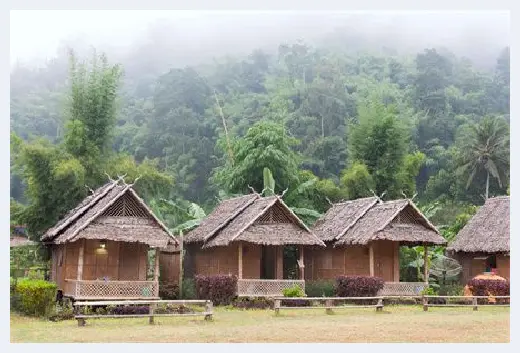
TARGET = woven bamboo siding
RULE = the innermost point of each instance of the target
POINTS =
(384, 260)
(224, 261)
(503, 266)
(478, 266)
(71, 261)
(132, 262)
(169, 267)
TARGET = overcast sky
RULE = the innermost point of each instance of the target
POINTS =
(38, 34)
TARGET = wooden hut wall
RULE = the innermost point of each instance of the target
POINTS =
(354, 260)
(474, 264)
(223, 260)
(119, 261)
(503, 264)
(169, 267)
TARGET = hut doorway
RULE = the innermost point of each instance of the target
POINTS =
(268, 262)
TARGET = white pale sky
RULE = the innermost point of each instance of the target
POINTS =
(38, 34)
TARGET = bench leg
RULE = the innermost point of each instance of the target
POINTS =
(81, 322)
(151, 310)
(208, 317)
(328, 304)
(379, 306)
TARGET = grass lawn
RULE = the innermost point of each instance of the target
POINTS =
(394, 324)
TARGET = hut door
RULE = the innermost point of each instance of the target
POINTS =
(267, 264)
(384, 260)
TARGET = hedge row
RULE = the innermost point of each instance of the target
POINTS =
(221, 290)
(33, 297)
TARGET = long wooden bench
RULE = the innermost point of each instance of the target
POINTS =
(471, 301)
(328, 303)
(152, 304)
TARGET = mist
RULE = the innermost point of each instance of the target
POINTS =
(179, 38)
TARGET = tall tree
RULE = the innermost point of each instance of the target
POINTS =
(485, 148)
(265, 145)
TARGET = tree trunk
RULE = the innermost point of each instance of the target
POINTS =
(487, 186)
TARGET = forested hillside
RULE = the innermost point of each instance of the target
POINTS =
(330, 123)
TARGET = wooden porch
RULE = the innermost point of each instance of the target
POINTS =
(266, 287)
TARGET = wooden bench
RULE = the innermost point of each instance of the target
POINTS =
(152, 304)
(473, 299)
(328, 303)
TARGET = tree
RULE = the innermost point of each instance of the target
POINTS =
(265, 145)
(357, 181)
(379, 141)
(485, 148)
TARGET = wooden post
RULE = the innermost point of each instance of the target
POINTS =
(277, 306)
(379, 306)
(426, 269)
(81, 322)
(425, 303)
(475, 304)
(156, 272)
(150, 311)
(371, 259)
(302, 268)
(181, 263)
(240, 260)
(396, 262)
(209, 311)
(328, 306)
(80, 260)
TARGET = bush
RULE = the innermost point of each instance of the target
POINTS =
(319, 288)
(485, 287)
(221, 290)
(253, 303)
(169, 291)
(129, 310)
(358, 286)
(188, 289)
(14, 297)
(294, 291)
(36, 297)
(64, 312)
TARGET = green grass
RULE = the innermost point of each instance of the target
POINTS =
(394, 324)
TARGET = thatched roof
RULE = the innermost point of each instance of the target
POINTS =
(488, 230)
(113, 212)
(254, 219)
(364, 220)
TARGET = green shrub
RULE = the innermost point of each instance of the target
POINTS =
(36, 297)
(429, 291)
(188, 289)
(294, 291)
(319, 288)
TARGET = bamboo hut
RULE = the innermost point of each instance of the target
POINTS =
(19, 237)
(363, 237)
(100, 248)
(483, 244)
(247, 236)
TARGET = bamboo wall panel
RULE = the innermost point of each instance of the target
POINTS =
(503, 266)
(129, 262)
(169, 267)
(143, 262)
(356, 261)
(251, 261)
(384, 259)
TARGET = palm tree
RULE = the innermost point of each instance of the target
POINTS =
(486, 148)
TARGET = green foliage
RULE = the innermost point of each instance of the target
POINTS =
(357, 181)
(293, 292)
(265, 145)
(36, 296)
(319, 288)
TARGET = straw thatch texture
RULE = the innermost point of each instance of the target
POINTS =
(84, 221)
(364, 220)
(225, 212)
(243, 219)
(341, 216)
(488, 230)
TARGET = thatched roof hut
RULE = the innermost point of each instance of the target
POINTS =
(113, 212)
(487, 231)
(252, 219)
(358, 222)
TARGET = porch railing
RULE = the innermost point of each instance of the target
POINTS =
(266, 287)
(402, 288)
(101, 289)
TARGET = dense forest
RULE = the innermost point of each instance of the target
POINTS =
(329, 122)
